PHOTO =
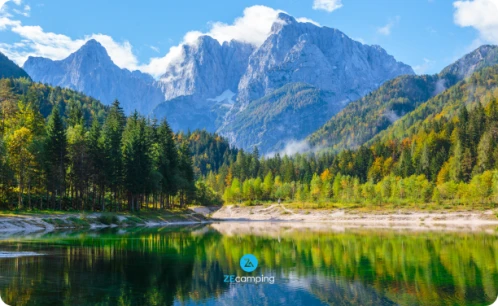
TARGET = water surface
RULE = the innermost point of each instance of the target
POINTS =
(312, 265)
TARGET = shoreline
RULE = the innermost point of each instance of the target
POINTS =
(48, 222)
(274, 213)
(358, 218)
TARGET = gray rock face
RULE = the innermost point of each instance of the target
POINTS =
(207, 69)
(337, 69)
(91, 71)
(484, 56)
(319, 56)
(211, 85)
(277, 122)
(200, 87)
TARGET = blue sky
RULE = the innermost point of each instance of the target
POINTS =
(426, 34)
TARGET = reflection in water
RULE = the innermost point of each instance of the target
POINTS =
(312, 266)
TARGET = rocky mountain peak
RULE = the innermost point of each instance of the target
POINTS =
(91, 70)
(92, 53)
(486, 55)
(206, 69)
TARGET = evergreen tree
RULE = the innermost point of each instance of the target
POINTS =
(96, 161)
(112, 135)
(186, 178)
(136, 160)
(168, 162)
(56, 148)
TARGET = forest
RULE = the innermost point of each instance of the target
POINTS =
(444, 152)
(62, 150)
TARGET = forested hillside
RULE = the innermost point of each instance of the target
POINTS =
(361, 120)
(446, 150)
(291, 112)
(481, 87)
(8, 69)
(62, 150)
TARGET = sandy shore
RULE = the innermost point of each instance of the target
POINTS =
(393, 219)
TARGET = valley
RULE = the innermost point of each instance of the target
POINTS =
(307, 116)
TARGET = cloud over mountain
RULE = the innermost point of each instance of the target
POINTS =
(252, 28)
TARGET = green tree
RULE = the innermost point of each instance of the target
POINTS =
(112, 133)
(268, 185)
(136, 160)
(56, 150)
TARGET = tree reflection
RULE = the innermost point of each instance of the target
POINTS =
(187, 265)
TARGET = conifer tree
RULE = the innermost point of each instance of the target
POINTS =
(56, 148)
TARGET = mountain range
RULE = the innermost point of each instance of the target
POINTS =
(265, 96)
(298, 78)
(306, 87)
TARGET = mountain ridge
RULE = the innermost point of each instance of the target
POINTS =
(361, 120)
(303, 53)
(211, 83)
(91, 70)
(8, 69)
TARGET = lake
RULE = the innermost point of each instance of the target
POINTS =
(309, 264)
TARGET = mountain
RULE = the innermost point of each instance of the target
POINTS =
(8, 69)
(361, 120)
(320, 56)
(481, 86)
(335, 68)
(291, 112)
(90, 70)
(199, 88)
(223, 86)
(451, 138)
(206, 69)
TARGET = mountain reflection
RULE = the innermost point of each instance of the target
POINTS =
(312, 266)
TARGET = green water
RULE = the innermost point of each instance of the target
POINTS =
(311, 266)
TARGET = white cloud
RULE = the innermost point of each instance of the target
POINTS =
(327, 5)
(36, 42)
(252, 27)
(24, 12)
(154, 48)
(359, 39)
(305, 20)
(479, 14)
(292, 147)
(386, 30)
(7, 22)
(2, 3)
